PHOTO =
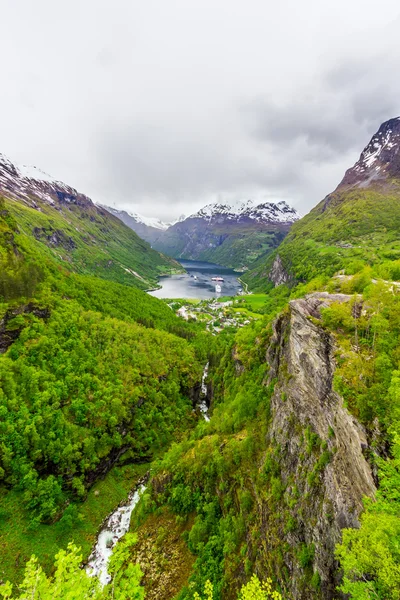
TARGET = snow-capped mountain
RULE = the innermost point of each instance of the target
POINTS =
(148, 228)
(267, 212)
(31, 185)
(379, 160)
(79, 234)
(140, 219)
(229, 233)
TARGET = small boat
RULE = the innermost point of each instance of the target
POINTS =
(218, 288)
(194, 276)
(217, 279)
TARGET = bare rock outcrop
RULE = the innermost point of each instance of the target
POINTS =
(278, 273)
(319, 449)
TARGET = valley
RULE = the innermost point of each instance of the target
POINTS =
(197, 282)
(265, 424)
(232, 234)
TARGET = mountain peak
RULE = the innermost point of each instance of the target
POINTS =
(240, 210)
(30, 185)
(379, 160)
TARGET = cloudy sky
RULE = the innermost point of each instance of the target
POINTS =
(161, 106)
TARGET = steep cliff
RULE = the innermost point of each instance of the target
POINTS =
(268, 485)
(319, 447)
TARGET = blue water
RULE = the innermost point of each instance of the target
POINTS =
(186, 286)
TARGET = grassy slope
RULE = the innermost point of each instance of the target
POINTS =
(94, 242)
(356, 227)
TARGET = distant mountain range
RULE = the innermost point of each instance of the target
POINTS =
(234, 234)
(148, 228)
(66, 224)
(357, 223)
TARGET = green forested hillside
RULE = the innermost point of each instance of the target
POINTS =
(87, 240)
(294, 478)
(233, 245)
(94, 376)
(348, 230)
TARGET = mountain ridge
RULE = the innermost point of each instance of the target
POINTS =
(358, 223)
(229, 233)
(80, 235)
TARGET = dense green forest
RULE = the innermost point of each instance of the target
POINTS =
(98, 383)
(95, 376)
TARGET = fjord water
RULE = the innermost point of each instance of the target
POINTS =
(185, 285)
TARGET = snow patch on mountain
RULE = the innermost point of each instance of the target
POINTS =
(148, 221)
(279, 212)
(29, 183)
(380, 141)
(34, 173)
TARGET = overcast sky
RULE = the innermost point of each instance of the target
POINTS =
(161, 106)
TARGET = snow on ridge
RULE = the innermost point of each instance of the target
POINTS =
(279, 212)
(30, 182)
(386, 138)
(149, 221)
(143, 220)
(34, 173)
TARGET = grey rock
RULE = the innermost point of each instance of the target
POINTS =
(278, 273)
(301, 359)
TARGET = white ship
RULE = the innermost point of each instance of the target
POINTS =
(218, 288)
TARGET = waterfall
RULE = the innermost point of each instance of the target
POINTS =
(115, 526)
(203, 394)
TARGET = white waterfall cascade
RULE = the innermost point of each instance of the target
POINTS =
(114, 528)
(203, 404)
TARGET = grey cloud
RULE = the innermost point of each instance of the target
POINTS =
(164, 106)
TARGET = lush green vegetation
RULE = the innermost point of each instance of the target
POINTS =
(243, 248)
(87, 240)
(86, 387)
(211, 474)
(253, 590)
(219, 474)
(225, 244)
(97, 378)
(92, 374)
(20, 538)
(368, 379)
(347, 230)
(69, 581)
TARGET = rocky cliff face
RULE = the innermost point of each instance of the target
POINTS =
(278, 273)
(319, 449)
(379, 160)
